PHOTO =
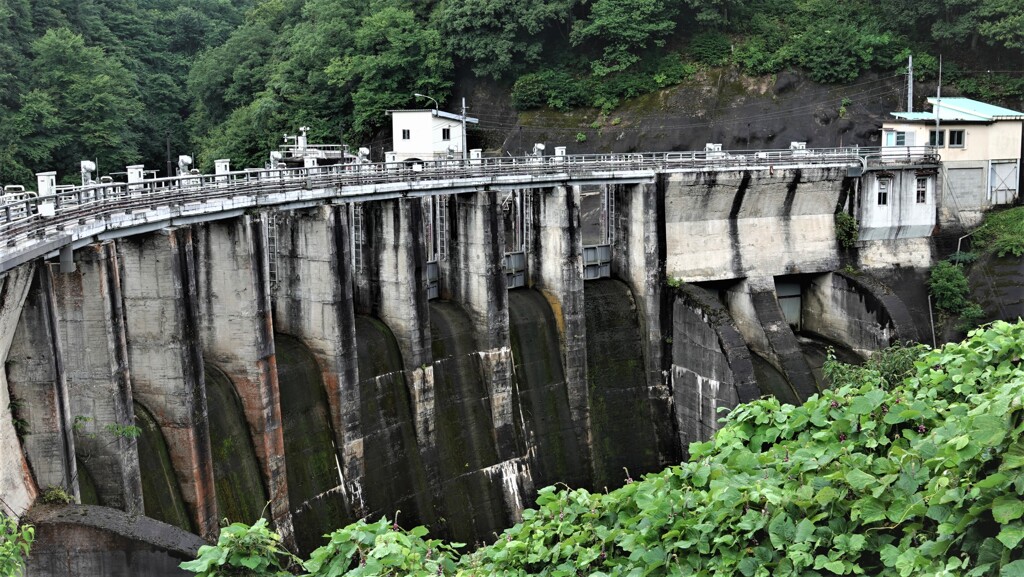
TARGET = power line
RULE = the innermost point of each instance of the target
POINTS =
(495, 122)
(694, 123)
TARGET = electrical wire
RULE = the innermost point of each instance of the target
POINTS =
(493, 122)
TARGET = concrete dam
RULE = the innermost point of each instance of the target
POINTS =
(316, 345)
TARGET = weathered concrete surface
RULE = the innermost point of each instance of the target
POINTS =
(760, 320)
(314, 303)
(477, 439)
(918, 253)
(556, 270)
(88, 307)
(397, 269)
(36, 379)
(162, 323)
(476, 280)
(16, 483)
(755, 223)
(237, 335)
(542, 395)
(78, 540)
(841, 309)
(711, 366)
(473, 272)
(637, 256)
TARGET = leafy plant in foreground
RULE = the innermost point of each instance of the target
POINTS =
(880, 475)
(243, 550)
(912, 464)
(15, 545)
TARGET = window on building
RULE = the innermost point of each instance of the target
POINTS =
(446, 134)
(405, 134)
(956, 138)
(937, 137)
(922, 190)
(883, 191)
(894, 138)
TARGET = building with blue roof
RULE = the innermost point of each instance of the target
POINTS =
(980, 146)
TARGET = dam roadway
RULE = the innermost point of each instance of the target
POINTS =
(442, 339)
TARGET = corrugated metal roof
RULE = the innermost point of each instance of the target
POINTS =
(961, 109)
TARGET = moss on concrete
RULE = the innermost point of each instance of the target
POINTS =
(160, 488)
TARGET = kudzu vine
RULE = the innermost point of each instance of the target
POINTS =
(910, 465)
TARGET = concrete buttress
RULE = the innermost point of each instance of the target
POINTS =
(638, 254)
(314, 302)
(16, 484)
(399, 275)
(36, 376)
(158, 274)
(90, 317)
(556, 269)
(237, 332)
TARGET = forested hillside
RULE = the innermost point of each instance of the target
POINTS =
(114, 79)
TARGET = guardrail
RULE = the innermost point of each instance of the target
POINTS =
(26, 216)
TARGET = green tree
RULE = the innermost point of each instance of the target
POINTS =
(1002, 23)
(621, 29)
(81, 104)
(501, 38)
(717, 13)
(395, 55)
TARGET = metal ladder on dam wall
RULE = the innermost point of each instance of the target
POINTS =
(273, 264)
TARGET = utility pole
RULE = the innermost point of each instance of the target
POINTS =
(465, 153)
(938, 94)
(910, 83)
(170, 167)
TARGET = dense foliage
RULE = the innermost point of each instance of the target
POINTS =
(1002, 233)
(99, 79)
(116, 81)
(15, 544)
(912, 464)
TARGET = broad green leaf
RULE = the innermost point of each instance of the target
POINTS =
(1006, 508)
(859, 479)
(804, 531)
(871, 509)
(1014, 569)
(1011, 535)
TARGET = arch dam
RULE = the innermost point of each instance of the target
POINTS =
(357, 340)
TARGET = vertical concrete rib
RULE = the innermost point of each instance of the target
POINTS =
(237, 334)
(638, 256)
(88, 306)
(35, 374)
(16, 484)
(556, 269)
(760, 319)
(399, 276)
(314, 302)
(476, 279)
(159, 286)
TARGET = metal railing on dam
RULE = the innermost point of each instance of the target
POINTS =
(34, 225)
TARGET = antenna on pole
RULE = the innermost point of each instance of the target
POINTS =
(910, 83)
(938, 94)
(465, 154)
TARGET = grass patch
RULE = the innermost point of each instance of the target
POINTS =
(1002, 233)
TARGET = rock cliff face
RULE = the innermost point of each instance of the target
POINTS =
(717, 105)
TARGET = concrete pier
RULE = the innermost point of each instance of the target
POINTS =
(236, 329)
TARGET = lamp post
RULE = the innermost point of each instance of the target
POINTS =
(418, 95)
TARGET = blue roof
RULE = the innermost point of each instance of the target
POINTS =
(962, 109)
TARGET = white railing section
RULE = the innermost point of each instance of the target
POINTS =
(26, 217)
